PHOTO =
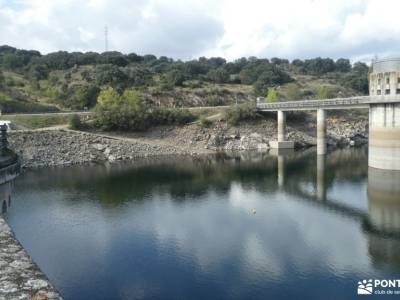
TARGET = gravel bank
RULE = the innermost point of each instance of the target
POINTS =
(64, 147)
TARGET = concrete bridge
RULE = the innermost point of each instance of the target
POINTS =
(384, 115)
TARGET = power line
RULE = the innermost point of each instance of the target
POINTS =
(106, 38)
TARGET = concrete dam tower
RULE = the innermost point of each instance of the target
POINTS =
(384, 118)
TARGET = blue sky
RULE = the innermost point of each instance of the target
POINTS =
(185, 29)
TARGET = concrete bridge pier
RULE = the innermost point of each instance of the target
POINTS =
(281, 143)
(281, 126)
(321, 131)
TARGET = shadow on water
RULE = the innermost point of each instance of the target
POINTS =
(315, 218)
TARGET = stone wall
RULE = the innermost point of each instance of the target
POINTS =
(20, 278)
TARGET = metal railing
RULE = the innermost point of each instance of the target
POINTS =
(336, 103)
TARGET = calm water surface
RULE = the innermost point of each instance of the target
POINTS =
(246, 226)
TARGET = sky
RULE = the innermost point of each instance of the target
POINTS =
(186, 29)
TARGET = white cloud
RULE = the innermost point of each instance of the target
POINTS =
(191, 28)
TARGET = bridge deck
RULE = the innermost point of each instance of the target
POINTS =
(336, 103)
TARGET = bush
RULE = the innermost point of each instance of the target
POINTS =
(272, 95)
(75, 122)
(242, 112)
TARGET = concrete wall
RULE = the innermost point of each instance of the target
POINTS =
(385, 76)
(384, 119)
(384, 136)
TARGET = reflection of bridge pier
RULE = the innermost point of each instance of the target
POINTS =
(321, 188)
(5, 196)
(384, 200)
(384, 216)
(281, 163)
(281, 171)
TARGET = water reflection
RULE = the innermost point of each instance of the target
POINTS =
(321, 189)
(383, 224)
(115, 231)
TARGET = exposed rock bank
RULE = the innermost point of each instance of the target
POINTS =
(258, 134)
(65, 147)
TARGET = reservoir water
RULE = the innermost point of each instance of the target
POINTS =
(237, 226)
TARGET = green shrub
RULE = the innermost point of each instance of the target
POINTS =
(75, 122)
(272, 95)
(242, 112)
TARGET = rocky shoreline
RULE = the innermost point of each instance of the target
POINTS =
(44, 148)
(63, 148)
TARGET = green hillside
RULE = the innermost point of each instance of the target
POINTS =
(32, 82)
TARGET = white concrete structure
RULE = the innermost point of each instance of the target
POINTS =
(321, 131)
(384, 119)
(281, 143)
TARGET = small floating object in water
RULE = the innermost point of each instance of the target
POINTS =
(253, 211)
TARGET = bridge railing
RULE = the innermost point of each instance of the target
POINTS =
(351, 101)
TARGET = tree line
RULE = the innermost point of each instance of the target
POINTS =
(259, 72)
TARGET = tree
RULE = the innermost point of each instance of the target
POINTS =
(343, 65)
(12, 61)
(272, 95)
(112, 75)
(132, 99)
(2, 79)
(357, 79)
(114, 58)
(38, 72)
(84, 96)
(108, 97)
(173, 78)
(318, 66)
(60, 60)
(218, 75)
(134, 58)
